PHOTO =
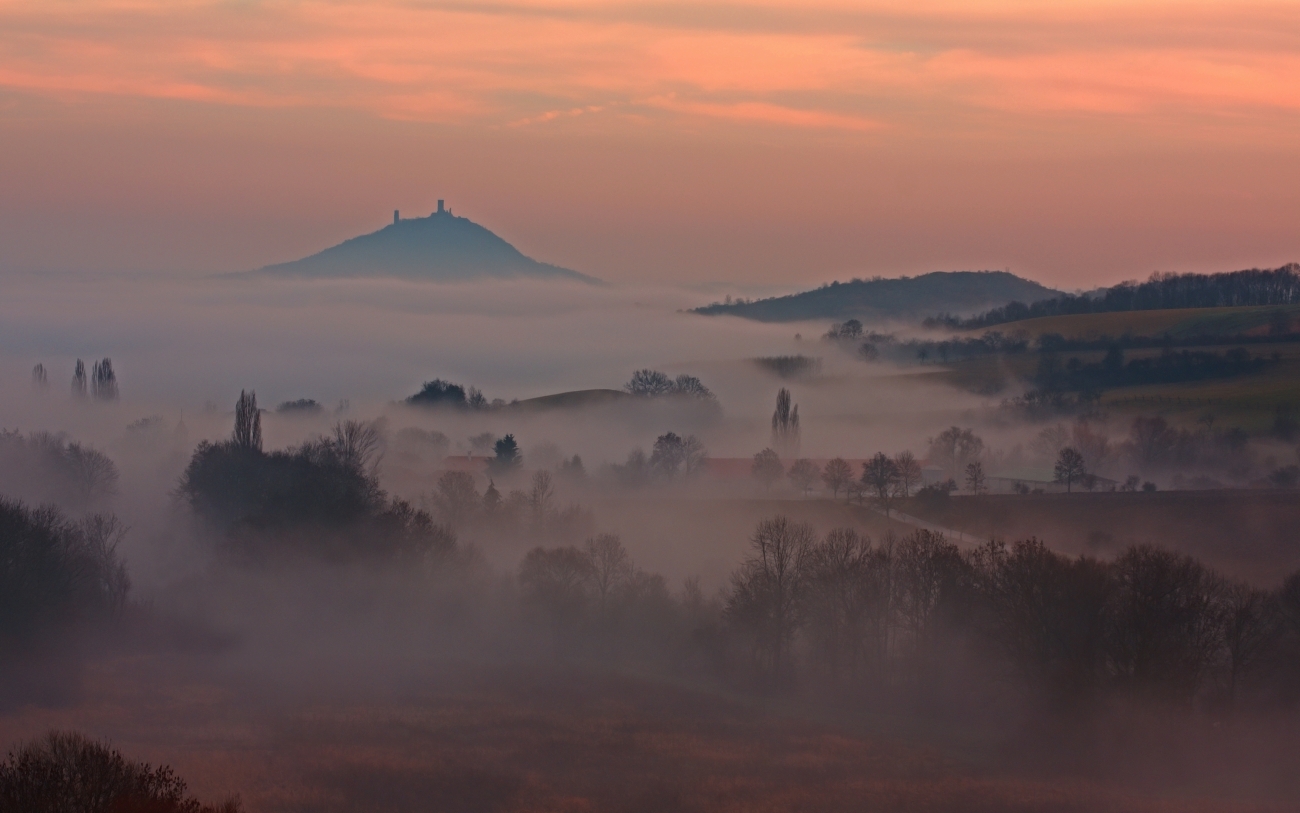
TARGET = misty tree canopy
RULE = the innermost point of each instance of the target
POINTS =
(439, 393)
(54, 571)
(320, 497)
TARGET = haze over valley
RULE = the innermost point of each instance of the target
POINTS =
(598, 408)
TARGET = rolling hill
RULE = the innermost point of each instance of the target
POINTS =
(440, 247)
(878, 299)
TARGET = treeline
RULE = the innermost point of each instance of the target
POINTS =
(645, 383)
(42, 467)
(1168, 367)
(55, 573)
(1278, 286)
(320, 498)
(862, 617)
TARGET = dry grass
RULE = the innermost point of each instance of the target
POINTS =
(517, 740)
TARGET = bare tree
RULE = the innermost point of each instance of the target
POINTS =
(39, 378)
(767, 468)
(650, 383)
(102, 533)
(767, 591)
(1167, 623)
(693, 455)
(975, 480)
(248, 422)
(953, 449)
(482, 443)
(909, 473)
(359, 443)
(928, 571)
(1250, 627)
(880, 476)
(847, 605)
(803, 473)
(542, 495)
(93, 474)
(692, 386)
(837, 475)
(456, 499)
(557, 581)
(611, 567)
(1070, 467)
(65, 771)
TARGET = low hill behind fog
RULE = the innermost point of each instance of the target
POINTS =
(958, 292)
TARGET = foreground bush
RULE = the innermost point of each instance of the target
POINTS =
(65, 772)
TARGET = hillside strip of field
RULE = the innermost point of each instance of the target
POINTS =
(1246, 534)
(1176, 323)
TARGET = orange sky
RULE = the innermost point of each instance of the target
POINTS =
(764, 143)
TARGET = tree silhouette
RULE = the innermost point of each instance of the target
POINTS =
(359, 443)
(693, 455)
(975, 480)
(248, 422)
(768, 590)
(611, 567)
(439, 393)
(955, 448)
(455, 500)
(1070, 467)
(491, 498)
(39, 379)
(668, 455)
(649, 383)
(79, 380)
(785, 423)
(507, 454)
(103, 381)
(692, 386)
(767, 468)
(803, 473)
(837, 474)
(909, 473)
(880, 476)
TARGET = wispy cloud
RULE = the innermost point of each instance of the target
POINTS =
(835, 66)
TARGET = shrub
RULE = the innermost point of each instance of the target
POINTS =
(65, 772)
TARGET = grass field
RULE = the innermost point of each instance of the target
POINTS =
(1247, 401)
(544, 741)
(1177, 323)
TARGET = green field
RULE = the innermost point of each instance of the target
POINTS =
(1180, 323)
(1248, 401)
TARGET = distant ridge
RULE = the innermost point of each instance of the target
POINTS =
(440, 247)
(959, 292)
(1252, 287)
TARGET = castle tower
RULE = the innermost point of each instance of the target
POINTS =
(397, 215)
(441, 210)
